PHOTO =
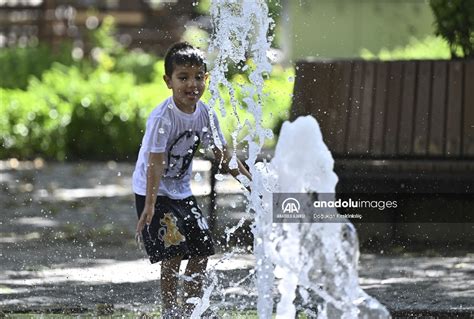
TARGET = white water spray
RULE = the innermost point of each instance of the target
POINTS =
(317, 262)
(240, 33)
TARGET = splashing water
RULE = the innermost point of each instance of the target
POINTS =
(317, 261)
(316, 264)
(240, 33)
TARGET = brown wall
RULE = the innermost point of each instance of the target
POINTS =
(399, 109)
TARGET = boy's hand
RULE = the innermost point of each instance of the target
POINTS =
(145, 218)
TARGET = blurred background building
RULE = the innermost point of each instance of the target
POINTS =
(151, 25)
(320, 28)
(342, 28)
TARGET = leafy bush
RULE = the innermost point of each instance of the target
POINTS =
(30, 126)
(18, 65)
(455, 23)
(140, 64)
(69, 114)
(95, 109)
(103, 37)
(113, 56)
(429, 48)
(277, 94)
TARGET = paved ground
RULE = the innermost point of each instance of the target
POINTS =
(66, 238)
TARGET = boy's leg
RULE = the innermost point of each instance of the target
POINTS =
(169, 283)
(193, 288)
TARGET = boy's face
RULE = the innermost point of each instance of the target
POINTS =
(188, 83)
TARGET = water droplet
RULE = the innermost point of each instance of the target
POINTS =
(170, 106)
(205, 129)
(161, 130)
(196, 138)
(198, 177)
(119, 174)
(219, 177)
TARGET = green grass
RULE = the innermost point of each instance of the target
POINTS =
(231, 314)
(430, 47)
(85, 315)
(245, 314)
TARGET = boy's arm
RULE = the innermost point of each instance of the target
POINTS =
(153, 177)
(225, 157)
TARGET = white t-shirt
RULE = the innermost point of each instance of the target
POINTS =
(178, 135)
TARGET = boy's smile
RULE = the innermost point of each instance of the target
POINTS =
(188, 83)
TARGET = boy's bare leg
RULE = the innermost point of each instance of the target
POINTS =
(193, 288)
(169, 283)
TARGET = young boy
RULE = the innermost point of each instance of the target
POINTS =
(170, 222)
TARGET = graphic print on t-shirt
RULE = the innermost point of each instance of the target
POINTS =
(181, 154)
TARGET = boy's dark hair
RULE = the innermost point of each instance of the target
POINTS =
(183, 53)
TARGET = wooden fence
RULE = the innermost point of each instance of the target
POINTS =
(412, 109)
(391, 126)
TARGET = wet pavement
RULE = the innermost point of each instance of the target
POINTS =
(66, 238)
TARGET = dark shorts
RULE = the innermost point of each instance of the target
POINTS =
(178, 228)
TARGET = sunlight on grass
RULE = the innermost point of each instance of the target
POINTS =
(234, 314)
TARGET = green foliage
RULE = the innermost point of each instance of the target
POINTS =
(277, 94)
(69, 114)
(429, 48)
(203, 7)
(105, 116)
(18, 65)
(274, 11)
(274, 7)
(455, 23)
(140, 64)
(95, 109)
(72, 115)
(110, 55)
(196, 37)
(103, 37)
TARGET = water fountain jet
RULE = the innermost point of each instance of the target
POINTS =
(316, 263)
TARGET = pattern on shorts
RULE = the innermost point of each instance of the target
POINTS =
(169, 233)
